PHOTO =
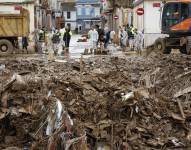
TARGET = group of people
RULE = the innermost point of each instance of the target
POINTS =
(54, 39)
(130, 36)
(100, 37)
(97, 37)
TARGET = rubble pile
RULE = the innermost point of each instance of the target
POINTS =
(101, 102)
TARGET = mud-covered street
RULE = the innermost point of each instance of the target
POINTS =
(95, 75)
(108, 101)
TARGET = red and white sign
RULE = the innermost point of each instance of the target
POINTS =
(156, 4)
(140, 11)
(116, 17)
(18, 7)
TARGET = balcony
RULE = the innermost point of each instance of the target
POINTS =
(88, 17)
(88, 2)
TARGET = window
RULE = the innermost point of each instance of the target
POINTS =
(92, 11)
(171, 14)
(79, 10)
(97, 11)
(83, 10)
(68, 15)
(185, 11)
(88, 10)
(174, 13)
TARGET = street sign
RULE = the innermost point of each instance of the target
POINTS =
(116, 17)
(156, 4)
(18, 7)
(140, 11)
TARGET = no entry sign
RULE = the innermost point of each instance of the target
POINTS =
(116, 17)
(140, 11)
(18, 7)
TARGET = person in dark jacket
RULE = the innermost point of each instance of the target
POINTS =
(101, 34)
(56, 41)
(66, 38)
(25, 43)
(107, 37)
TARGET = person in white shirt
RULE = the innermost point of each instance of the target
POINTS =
(93, 38)
(62, 31)
(123, 38)
(139, 39)
(112, 36)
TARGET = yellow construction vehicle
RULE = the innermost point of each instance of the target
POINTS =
(13, 26)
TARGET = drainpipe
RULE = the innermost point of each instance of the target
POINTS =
(144, 20)
(144, 15)
(114, 20)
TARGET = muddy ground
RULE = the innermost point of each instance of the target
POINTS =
(110, 102)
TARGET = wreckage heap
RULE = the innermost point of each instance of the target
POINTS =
(115, 103)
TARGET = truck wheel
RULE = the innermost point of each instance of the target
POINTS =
(6, 47)
(188, 45)
(159, 45)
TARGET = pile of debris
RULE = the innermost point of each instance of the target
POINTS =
(97, 51)
(104, 102)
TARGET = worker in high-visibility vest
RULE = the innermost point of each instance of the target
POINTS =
(132, 37)
(41, 40)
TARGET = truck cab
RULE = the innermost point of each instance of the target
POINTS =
(176, 23)
(176, 18)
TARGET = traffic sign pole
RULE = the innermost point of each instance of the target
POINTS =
(116, 17)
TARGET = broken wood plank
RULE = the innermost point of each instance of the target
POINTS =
(182, 75)
(181, 109)
(7, 86)
(182, 92)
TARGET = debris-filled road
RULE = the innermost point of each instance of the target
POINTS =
(105, 102)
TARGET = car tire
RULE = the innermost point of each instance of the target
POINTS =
(159, 45)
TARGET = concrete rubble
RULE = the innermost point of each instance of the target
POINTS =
(103, 102)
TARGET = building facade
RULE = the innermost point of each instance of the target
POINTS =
(69, 13)
(117, 13)
(88, 13)
(41, 14)
(57, 18)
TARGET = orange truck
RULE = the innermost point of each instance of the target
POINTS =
(176, 23)
(13, 26)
